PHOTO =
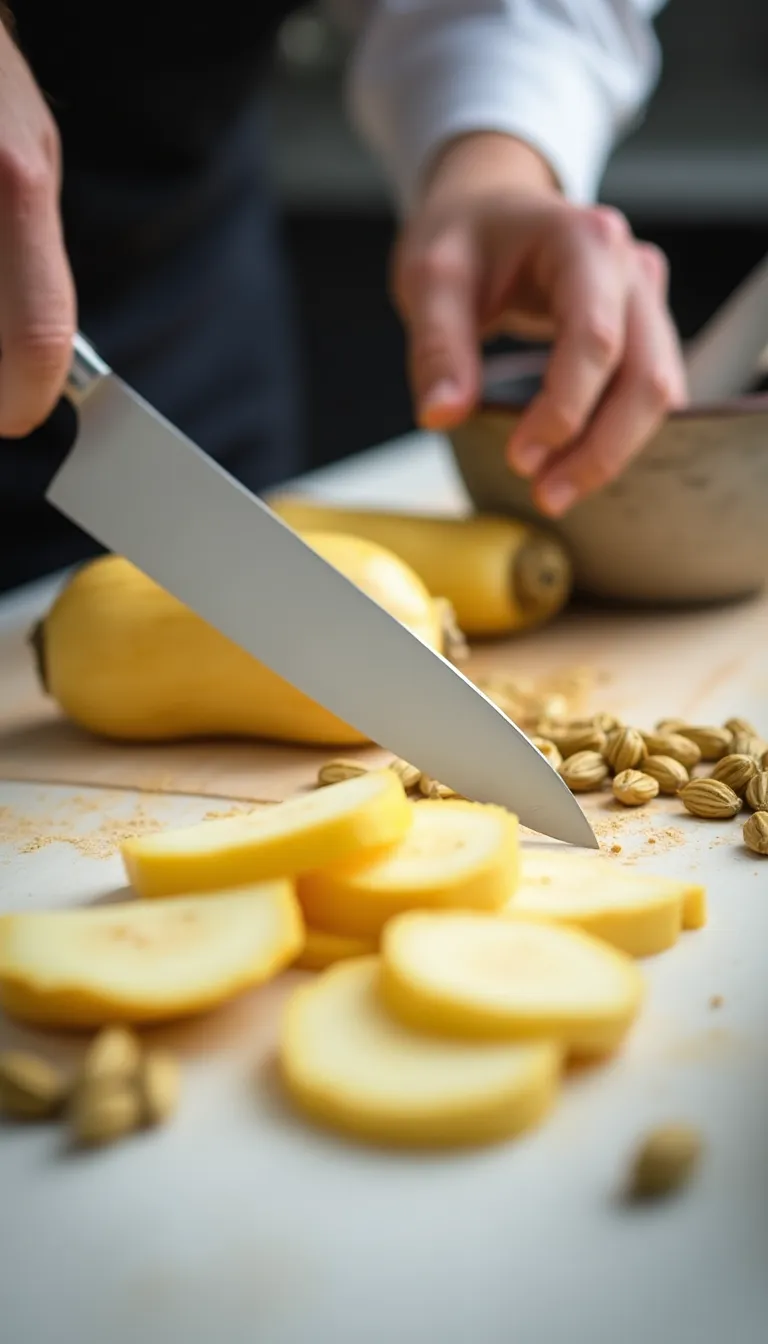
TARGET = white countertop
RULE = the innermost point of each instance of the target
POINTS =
(239, 1225)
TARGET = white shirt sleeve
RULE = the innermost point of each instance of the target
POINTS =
(569, 77)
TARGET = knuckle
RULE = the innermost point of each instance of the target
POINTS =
(599, 339)
(438, 266)
(24, 179)
(597, 467)
(565, 422)
(653, 263)
(608, 225)
(657, 389)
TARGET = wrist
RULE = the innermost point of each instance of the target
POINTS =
(484, 161)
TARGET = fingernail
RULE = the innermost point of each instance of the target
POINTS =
(558, 497)
(444, 391)
(440, 404)
(529, 458)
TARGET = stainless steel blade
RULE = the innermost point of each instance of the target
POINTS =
(143, 490)
(723, 357)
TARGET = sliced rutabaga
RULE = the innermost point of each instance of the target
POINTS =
(482, 977)
(456, 854)
(351, 1066)
(141, 962)
(638, 913)
(301, 834)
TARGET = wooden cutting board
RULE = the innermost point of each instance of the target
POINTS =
(671, 663)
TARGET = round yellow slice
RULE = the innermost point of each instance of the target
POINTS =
(348, 1065)
(510, 978)
(456, 854)
(639, 913)
(306, 832)
(325, 949)
(140, 962)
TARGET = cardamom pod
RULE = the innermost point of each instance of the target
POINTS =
(748, 744)
(624, 749)
(584, 772)
(585, 737)
(712, 742)
(666, 1161)
(744, 726)
(334, 772)
(159, 1087)
(709, 798)
(669, 774)
(115, 1053)
(431, 788)
(409, 775)
(548, 749)
(736, 771)
(757, 792)
(680, 748)
(756, 833)
(633, 788)
(30, 1087)
(666, 726)
(103, 1113)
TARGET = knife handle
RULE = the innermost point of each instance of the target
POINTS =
(86, 370)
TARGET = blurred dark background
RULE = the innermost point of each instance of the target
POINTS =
(693, 178)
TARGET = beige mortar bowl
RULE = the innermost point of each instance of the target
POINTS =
(686, 523)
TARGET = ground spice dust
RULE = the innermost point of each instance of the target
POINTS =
(69, 826)
(611, 831)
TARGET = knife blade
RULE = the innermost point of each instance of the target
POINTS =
(722, 358)
(143, 490)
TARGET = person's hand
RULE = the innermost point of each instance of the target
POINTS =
(37, 303)
(492, 246)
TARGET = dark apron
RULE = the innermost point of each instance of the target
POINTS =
(172, 239)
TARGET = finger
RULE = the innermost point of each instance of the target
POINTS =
(437, 295)
(37, 307)
(588, 298)
(634, 407)
(654, 267)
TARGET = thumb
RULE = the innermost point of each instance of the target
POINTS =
(436, 294)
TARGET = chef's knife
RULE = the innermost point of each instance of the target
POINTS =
(145, 491)
(722, 358)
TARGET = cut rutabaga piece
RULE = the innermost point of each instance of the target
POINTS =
(324, 949)
(457, 854)
(141, 963)
(639, 913)
(349, 1065)
(306, 832)
(489, 978)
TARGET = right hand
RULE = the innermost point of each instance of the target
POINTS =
(37, 295)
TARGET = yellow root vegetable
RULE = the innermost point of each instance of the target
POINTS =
(348, 1065)
(482, 977)
(639, 913)
(500, 574)
(325, 949)
(303, 833)
(456, 854)
(124, 659)
(139, 962)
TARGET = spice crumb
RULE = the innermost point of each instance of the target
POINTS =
(716, 1001)
(615, 849)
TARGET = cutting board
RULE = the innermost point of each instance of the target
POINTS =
(669, 662)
